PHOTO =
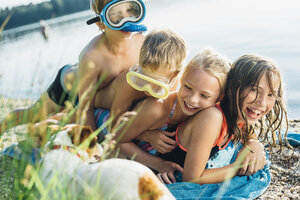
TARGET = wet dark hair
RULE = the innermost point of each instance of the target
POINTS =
(246, 73)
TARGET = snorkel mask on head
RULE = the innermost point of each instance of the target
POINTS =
(124, 15)
(142, 80)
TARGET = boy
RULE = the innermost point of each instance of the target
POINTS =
(160, 61)
(112, 52)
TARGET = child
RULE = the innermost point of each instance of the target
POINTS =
(108, 54)
(252, 102)
(202, 85)
(161, 58)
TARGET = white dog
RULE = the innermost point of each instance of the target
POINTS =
(67, 173)
(115, 179)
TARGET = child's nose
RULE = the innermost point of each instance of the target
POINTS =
(195, 99)
(262, 99)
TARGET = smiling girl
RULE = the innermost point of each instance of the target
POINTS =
(252, 104)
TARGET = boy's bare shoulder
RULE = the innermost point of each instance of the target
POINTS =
(94, 45)
(93, 52)
(159, 108)
(121, 86)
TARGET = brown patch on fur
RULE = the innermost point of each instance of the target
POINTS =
(77, 132)
(148, 188)
(80, 133)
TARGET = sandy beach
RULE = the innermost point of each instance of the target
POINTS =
(285, 166)
(285, 171)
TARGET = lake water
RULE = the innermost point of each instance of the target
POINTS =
(233, 27)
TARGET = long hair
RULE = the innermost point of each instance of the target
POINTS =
(246, 73)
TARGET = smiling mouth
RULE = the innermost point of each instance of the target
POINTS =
(254, 113)
(189, 107)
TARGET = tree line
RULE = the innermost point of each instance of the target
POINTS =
(23, 15)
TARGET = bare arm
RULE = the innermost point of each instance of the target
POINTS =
(160, 140)
(205, 131)
(206, 127)
(149, 116)
(255, 157)
(231, 170)
(130, 149)
(123, 99)
(87, 81)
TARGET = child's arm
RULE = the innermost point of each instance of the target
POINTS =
(255, 157)
(217, 175)
(146, 119)
(87, 80)
(160, 140)
(131, 150)
(206, 127)
(124, 97)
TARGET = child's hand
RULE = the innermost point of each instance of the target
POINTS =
(255, 158)
(166, 173)
(161, 141)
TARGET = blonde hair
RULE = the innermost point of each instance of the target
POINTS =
(163, 48)
(213, 63)
(98, 5)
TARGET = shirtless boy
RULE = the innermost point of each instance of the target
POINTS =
(110, 53)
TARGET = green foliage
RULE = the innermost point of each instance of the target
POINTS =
(33, 13)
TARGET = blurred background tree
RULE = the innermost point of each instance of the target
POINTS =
(33, 13)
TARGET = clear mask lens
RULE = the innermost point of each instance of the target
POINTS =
(142, 82)
(149, 86)
(125, 11)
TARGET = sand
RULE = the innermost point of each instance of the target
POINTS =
(285, 166)
(285, 171)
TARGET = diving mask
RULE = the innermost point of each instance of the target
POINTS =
(142, 80)
(121, 14)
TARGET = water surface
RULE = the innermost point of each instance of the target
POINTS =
(271, 28)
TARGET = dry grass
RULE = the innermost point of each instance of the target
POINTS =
(285, 169)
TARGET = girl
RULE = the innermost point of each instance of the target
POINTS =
(252, 103)
(202, 85)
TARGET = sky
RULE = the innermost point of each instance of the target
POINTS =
(12, 3)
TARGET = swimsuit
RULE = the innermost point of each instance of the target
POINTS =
(58, 92)
(179, 153)
(101, 116)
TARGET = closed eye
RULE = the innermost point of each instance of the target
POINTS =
(204, 96)
(187, 87)
(253, 89)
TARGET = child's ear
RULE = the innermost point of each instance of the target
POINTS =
(101, 26)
